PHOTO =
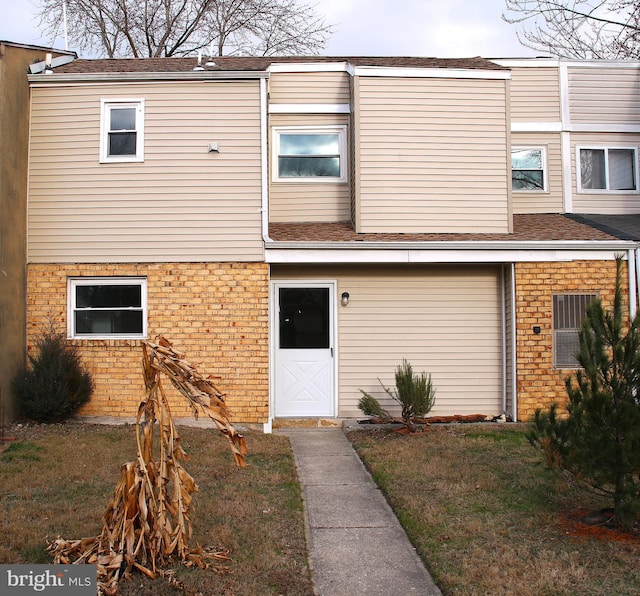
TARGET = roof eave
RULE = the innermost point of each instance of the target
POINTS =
(462, 245)
(135, 77)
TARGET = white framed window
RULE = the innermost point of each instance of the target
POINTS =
(529, 169)
(310, 154)
(121, 130)
(569, 310)
(608, 169)
(107, 307)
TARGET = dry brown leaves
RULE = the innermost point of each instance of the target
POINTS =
(147, 521)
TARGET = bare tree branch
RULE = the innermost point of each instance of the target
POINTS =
(577, 28)
(152, 28)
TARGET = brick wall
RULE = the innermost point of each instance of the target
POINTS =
(539, 384)
(214, 313)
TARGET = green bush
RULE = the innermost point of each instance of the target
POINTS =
(415, 394)
(54, 384)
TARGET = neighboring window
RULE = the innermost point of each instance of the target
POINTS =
(122, 137)
(310, 154)
(528, 168)
(569, 310)
(108, 307)
(611, 169)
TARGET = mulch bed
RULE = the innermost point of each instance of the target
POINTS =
(597, 524)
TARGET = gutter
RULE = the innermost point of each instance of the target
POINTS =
(137, 77)
(471, 245)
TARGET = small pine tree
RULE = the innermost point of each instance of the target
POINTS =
(599, 440)
(415, 394)
(54, 385)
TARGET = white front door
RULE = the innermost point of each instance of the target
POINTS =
(304, 350)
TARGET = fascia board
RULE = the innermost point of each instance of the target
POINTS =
(137, 77)
(442, 255)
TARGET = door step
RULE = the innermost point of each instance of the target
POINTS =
(308, 423)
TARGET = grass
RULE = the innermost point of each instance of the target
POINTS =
(487, 517)
(56, 480)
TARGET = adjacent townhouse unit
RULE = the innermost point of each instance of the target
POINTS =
(15, 61)
(298, 226)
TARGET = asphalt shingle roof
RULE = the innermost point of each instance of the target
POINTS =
(236, 63)
(624, 227)
(526, 227)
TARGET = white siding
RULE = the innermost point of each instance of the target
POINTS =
(444, 320)
(181, 204)
(434, 155)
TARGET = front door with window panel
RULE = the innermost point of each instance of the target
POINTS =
(304, 355)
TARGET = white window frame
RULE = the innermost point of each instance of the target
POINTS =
(606, 149)
(340, 130)
(74, 282)
(106, 105)
(543, 150)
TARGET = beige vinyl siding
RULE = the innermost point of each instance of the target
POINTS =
(604, 202)
(309, 88)
(541, 202)
(535, 94)
(308, 201)
(604, 95)
(434, 155)
(182, 204)
(444, 320)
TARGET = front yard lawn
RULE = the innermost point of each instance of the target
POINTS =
(487, 517)
(57, 480)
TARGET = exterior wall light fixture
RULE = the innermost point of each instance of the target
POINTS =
(344, 299)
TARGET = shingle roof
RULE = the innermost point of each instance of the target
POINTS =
(526, 227)
(624, 227)
(234, 63)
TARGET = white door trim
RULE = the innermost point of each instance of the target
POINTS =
(274, 285)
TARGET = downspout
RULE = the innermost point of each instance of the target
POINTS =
(637, 255)
(264, 163)
(514, 368)
(267, 427)
(503, 306)
(632, 266)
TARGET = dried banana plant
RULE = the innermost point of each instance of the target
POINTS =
(147, 521)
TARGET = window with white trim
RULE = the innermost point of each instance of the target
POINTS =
(122, 130)
(315, 154)
(569, 310)
(612, 169)
(528, 169)
(107, 307)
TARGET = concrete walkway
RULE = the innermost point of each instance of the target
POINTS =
(356, 544)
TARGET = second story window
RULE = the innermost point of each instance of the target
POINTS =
(310, 154)
(122, 130)
(609, 169)
(528, 168)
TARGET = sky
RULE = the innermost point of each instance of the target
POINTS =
(436, 28)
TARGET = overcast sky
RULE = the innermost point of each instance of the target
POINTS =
(439, 28)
